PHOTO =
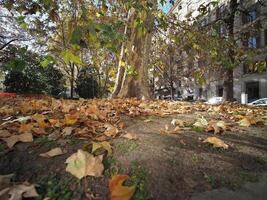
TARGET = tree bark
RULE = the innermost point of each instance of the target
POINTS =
(228, 84)
(136, 59)
(72, 80)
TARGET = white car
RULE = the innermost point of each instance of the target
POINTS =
(215, 100)
(259, 102)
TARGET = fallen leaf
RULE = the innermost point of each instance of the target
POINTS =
(4, 134)
(216, 142)
(83, 164)
(111, 131)
(106, 145)
(178, 122)
(201, 122)
(217, 127)
(52, 153)
(67, 131)
(121, 125)
(19, 192)
(70, 119)
(12, 140)
(118, 191)
(148, 120)
(25, 128)
(5, 180)
(129, 136)
(244, 122)
(20, 119)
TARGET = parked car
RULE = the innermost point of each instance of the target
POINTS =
(66, 95)
(259, 102)
(215, 100)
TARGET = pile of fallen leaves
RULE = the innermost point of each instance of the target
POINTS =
(99, 120)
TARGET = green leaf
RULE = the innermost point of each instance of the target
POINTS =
(68, 56)
(47, 61)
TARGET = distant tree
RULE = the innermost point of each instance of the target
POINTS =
(86, 85)
(24, 73)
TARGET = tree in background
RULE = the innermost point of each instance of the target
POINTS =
(24, 73)
(86, 85)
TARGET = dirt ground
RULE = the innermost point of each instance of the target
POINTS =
(170, 167)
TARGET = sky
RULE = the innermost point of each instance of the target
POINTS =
(166, 7)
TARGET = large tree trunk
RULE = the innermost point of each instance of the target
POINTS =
(136, 59)
(228, 84)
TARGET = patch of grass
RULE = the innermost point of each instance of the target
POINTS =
(51, 188)
(211, 180)
(45, 141)
(248, 177)
(127, 147)
(195, 158)
(173, 162)
(260, 160)
(74, 141)
(198, 129)
(2, 147)
(138, 176)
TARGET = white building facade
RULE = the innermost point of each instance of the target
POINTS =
(247, 82)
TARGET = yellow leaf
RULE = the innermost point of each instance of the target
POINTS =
(106, 145)
(52, 153)
(111, 131)
(12, 140)
(201, 122)
(118, 191)
(244, 122)
(216, 142)
(83, 164)
(70, 119)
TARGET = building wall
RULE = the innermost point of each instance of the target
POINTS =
(183, 7)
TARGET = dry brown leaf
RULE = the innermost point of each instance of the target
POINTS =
(130, 136)
(4, 134)
(111, 131)
(25, 128)
(19, 192)
(83, 164)
(118, 191)
(216, 127)
(5, 180)
(52, 153)
(216, 142)
(67, 131)
(178, 122)
(12, 140)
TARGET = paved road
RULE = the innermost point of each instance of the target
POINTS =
(250, 191)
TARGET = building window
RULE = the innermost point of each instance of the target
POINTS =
(252, 41)
(253, 90)
(222, 30)
(219, 90)
(251, 15)
(220, 12)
